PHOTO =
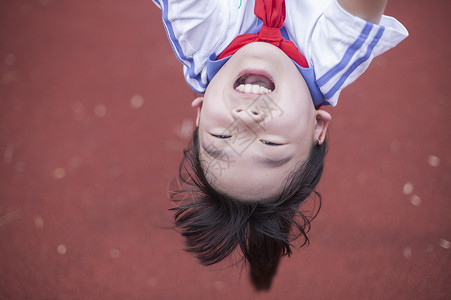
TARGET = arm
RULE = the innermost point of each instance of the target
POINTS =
(369, 10)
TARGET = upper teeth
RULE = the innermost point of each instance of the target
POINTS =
(252, 88)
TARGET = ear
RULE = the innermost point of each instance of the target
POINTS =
(322, 122)
(197, 104)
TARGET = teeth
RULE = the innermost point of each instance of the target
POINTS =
(255, 89)
(252, 88)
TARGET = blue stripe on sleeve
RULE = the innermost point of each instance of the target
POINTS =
(347, 56)
(157, 3)
(178, 49)
(356, 64)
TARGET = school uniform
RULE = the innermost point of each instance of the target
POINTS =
(337, 46)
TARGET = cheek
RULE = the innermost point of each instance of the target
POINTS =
(216, 87)
(294, 122)
(214, 115)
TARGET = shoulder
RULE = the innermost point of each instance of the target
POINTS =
(301, 17)
(194, 24)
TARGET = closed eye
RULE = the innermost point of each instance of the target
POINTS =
(269, 143)
(225, 136)
(221, 136)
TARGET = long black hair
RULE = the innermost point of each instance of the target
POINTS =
(214, 224)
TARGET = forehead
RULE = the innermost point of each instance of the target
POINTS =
(245, 177)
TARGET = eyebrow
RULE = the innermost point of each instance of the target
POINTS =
(270, 162)
(274, 163)
(216, 153)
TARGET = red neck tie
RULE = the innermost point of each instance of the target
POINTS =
(272, 13)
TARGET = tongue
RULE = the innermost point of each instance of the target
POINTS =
(259, 80)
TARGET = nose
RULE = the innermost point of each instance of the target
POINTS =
(248, 114)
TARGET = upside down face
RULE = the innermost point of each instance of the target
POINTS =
(257, 123)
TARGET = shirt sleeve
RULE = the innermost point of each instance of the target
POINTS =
(341, 47)
(157, 3)
(194, 27)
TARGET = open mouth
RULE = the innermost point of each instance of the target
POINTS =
(254, 84)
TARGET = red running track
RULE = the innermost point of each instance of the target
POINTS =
(94, 114)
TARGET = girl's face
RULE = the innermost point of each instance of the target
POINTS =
(256, 123)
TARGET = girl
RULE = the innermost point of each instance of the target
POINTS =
(264, 67)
